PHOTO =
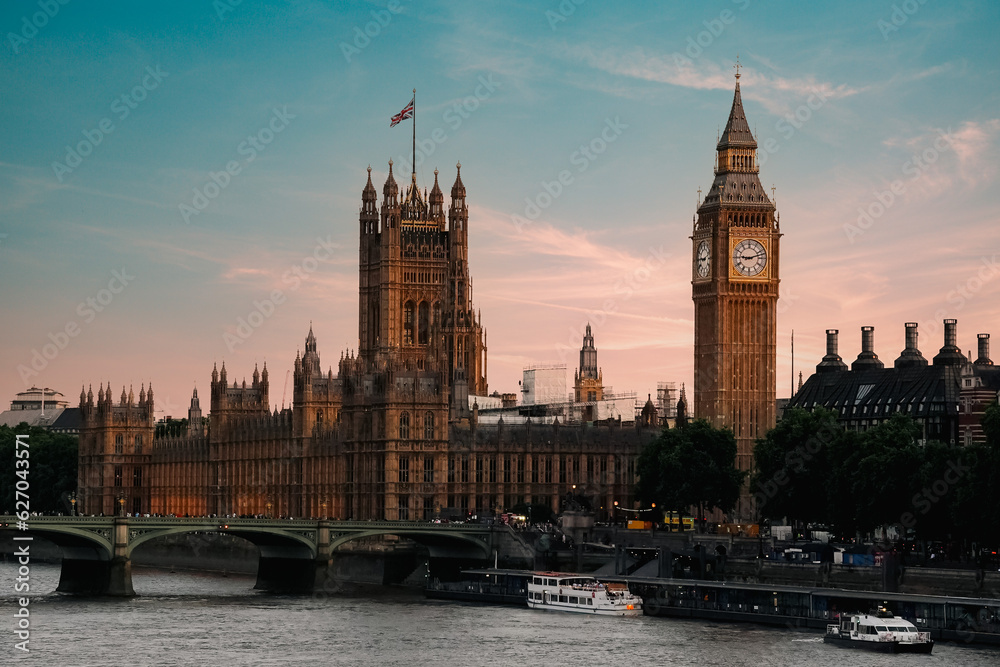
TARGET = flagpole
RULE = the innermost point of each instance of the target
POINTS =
(414, 163)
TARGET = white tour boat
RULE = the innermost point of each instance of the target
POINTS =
(581, 594)
(878, 631)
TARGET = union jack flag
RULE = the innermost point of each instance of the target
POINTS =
(407, 112)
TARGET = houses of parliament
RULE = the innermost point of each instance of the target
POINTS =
(392, 433)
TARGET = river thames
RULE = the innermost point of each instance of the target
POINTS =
(183, 618)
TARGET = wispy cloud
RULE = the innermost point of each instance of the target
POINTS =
(943, 158)
(777, 93)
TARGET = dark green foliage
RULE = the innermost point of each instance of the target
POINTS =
(51, 469)
(792, 466)
(977, 511)
(693, 466)
(809, 470)
(171, 427)
(886, 473)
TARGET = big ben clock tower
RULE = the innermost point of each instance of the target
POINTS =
(734, 284)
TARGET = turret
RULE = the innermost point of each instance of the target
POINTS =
(458, 214)
(681, 419)
(588, 356)
(647, 417)
(194, 415)
(390, 191)
(391, 217)
(436, 201)
(369, 209)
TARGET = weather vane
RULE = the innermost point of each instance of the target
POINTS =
(737, 66)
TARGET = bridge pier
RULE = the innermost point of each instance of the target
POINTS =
(285, 568)
(88, 570)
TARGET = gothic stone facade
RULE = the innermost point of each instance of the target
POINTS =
(389, 435)
(735, 290)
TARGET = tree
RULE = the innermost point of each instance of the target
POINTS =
(51, 471)
(693, 466)
(977, 507)
(168, 426)
(885, 472)
(793, 466)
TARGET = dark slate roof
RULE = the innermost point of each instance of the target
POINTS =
(739, 187)
(31, 417)
(70, 420)
(920, 391)
(737, 133)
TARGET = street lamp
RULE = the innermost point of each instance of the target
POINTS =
(267, 515)
(322, 506)
(614, 517)
(121, 505)
(72, 503)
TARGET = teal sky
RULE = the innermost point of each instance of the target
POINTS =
(851, 99)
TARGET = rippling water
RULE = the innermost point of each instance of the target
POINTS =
(187, 619)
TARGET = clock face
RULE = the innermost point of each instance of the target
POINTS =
(749, 257)
(704, 259)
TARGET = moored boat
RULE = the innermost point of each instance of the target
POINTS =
(878, 631)
(553, 591)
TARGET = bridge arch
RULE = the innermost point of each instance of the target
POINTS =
(440, 544)
(270, 540)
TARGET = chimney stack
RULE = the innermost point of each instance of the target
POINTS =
(867, 359)
(950, 355)
(831, 362)
(984, 350)
(911, 355)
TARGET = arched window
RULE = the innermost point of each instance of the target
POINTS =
(408, 323)
(428, 426)
(319, 416)
(424, 323)
(138, 444)
(119, 443)
(404, 426)
(437, 313)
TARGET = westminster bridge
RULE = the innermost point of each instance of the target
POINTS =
(296, 555)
